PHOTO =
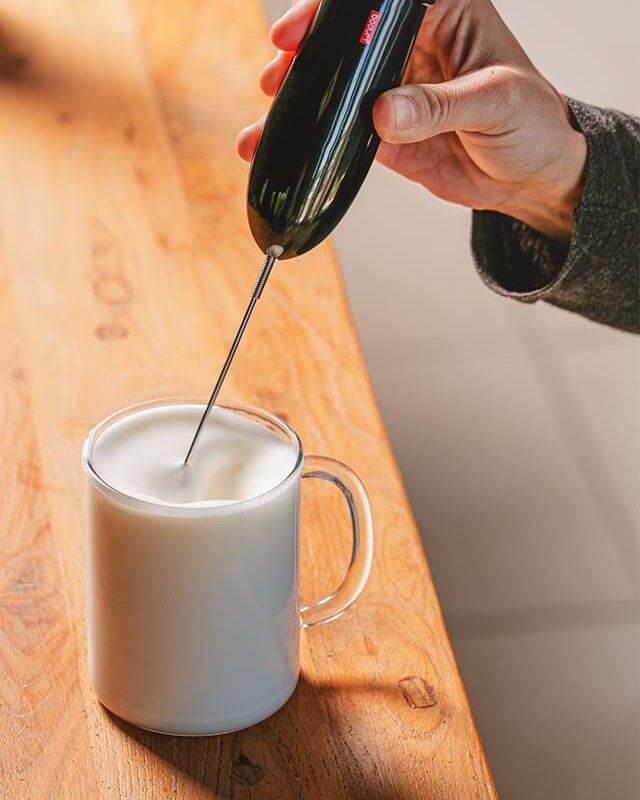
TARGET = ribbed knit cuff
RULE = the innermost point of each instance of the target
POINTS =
(598, 276)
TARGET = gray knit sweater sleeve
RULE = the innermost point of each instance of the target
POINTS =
(599, 276)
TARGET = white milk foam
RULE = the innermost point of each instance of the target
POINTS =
(236, 458)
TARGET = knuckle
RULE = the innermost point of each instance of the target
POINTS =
(432, 107)
(508, 87)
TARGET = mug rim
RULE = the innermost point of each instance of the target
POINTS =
(179, 509)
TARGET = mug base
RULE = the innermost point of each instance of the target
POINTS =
(201, 728)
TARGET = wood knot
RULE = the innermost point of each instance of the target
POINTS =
(142, 177)
(28, 590)
(30, 474)
(112, 290)
(24, 575)
(108, 331)
(27, 578)
(100, 248)
(106, 253)
(163, 241)
(370, 647)
(245, 772)
(417, 692)
(20, 62)
(13, 66)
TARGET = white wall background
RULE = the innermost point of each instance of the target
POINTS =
(517, 432)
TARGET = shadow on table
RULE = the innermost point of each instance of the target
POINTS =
(300, 753)
(72, 83)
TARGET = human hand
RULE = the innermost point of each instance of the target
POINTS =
(474, 122)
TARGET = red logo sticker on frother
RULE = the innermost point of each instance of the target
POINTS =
(370, 28)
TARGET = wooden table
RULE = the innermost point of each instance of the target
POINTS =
(125, 263)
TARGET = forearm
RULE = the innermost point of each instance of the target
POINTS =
(595, 271)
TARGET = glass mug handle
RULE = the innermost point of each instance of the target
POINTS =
(333, 605)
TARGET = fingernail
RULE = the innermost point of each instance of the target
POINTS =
(404, 112)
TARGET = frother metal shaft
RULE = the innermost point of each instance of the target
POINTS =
(272, 254)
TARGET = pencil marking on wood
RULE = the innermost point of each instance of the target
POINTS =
(417, 692)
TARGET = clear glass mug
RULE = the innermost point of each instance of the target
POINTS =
(194, 614)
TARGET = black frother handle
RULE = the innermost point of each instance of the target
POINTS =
(318, 141)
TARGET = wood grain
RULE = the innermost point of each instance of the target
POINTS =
(125, 262)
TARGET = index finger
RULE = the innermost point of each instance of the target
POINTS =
(289, 30)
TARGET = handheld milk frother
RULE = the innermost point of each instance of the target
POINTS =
(318, 141)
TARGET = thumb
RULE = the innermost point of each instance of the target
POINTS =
(480, 101)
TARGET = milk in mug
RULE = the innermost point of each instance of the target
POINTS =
(194, 617)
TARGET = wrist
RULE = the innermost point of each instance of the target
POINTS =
(548, 203)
